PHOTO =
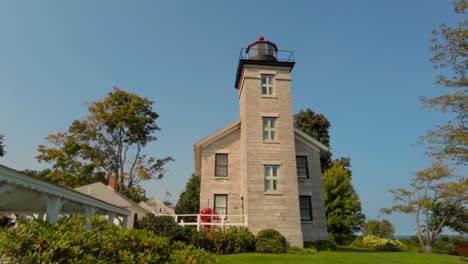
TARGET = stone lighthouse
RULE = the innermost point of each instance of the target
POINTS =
(261, 166)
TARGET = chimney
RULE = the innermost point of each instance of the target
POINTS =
(113, 181)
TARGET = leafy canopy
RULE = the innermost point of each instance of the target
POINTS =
(2, 147)
(316, 126)
(110, 139)
(384, 228)
(189, 200)
(342, 204)
(450, 56)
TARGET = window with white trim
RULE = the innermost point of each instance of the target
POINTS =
(268, 84)
(269, 128)
(271, 178)
(220, 204)
(221, 165)
(301, 167)
(305, 205)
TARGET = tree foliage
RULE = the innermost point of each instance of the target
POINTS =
(450, 56)
(2, 147)
(436, 199)
(342, 204)
(384, 228)
(316, 126)
(110, 139)
(189, 200)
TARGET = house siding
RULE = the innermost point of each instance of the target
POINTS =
(230, 185)
(317, 228)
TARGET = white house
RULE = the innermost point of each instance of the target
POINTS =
(108, 194)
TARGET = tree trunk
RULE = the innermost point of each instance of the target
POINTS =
(427, 249)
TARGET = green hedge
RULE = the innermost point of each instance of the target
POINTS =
(322, 245)
(231, 241)
(69, 241)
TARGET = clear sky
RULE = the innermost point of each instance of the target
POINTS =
(363, 64)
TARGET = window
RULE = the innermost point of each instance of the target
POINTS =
(271, 178)
(268, 84)
(220, 204)
(301, 166)
(221, 165)
(269, 128)
(305, 205)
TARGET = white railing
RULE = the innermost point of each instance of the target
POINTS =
(202, 220)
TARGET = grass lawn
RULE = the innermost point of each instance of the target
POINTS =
(344, 255)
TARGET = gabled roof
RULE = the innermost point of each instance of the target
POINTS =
(311, 142)
(106, 193)
(149, 205)
(197, 147)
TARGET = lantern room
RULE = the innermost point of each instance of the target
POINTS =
(262, 50)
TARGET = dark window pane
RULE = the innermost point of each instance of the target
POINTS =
(221, 165)
(305, 207)
(301, 167)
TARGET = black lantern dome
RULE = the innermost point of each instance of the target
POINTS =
(262, 50)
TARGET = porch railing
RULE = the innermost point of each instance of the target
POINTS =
(203, 220)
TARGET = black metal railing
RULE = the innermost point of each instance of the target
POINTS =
(281, 55)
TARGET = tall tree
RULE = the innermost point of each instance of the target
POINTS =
(450, 56)
(382, 228)
(189, 200)
(436, 199)
(2, 147)
(111, 139)
(316, 126)
(342, 204)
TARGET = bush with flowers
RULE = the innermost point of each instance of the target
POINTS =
(379, 243)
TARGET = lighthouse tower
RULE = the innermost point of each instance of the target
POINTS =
(269, 185)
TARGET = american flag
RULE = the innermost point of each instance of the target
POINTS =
(168, 194)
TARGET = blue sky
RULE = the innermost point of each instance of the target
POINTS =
(363, 64)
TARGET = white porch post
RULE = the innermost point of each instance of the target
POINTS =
(110, 218)
(53, 207)
(89, 211)
(124, 221)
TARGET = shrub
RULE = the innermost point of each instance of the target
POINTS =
(309, 250)
(293, 250)
(239, 240)
(163, 226)
(378, 243)
(185, 234)
(322, 245)
(270, 241)
(201, 240)
(212, 240)
(192, 255)
(68, 241)
(230, 241)
(357, 242)
(448, 244)
(301, 251)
